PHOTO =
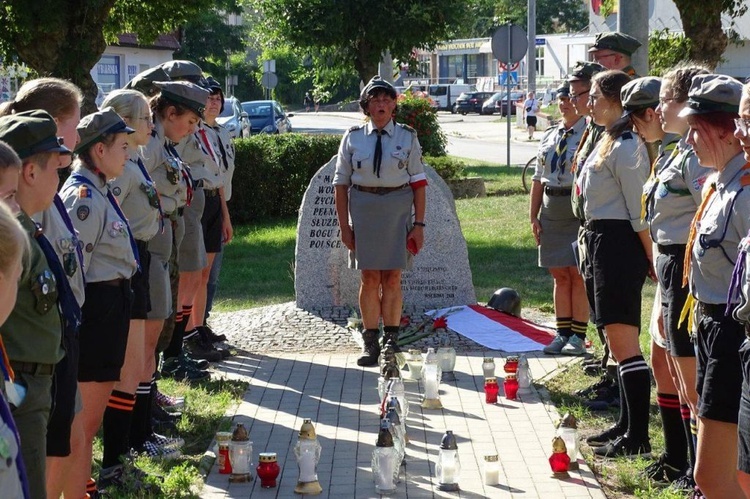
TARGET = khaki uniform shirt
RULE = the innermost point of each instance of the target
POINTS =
(107, 253)
(592, 135)
(725, 222)
(166, 171)
(201, 156)
(561, 177)
(401, 160)
(33, 331)
(138, 199)
(227, 152)
(613, 191)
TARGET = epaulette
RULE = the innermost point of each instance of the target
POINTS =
(550, 128)
(626, 135)
(406, 127)
(355, 127)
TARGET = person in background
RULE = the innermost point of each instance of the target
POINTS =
(14, 249)
(530, 108)
(32, 334)
(613, 50)
(380, 204)
(307, 101)
(555, 227)
(720, 223)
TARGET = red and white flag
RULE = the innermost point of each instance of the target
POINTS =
(496, 330)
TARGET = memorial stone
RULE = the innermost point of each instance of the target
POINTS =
(440, 274)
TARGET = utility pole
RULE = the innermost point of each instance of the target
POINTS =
(531, 55)
(632, 19)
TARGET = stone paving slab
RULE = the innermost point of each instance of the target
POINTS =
(341, 398)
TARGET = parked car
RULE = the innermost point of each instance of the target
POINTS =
(445, 94)
(267, 116)
(234, 119)
(498, 103)
(471, 102)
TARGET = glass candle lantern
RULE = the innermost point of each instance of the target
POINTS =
(240, 455)
(511, 364)
(222, 452)
(430, 376)
(268, 469)
(568, 431)
(307, 451)
(397, 389)
(448, 466)
(491, 390)
(510, 385)
(559, 461)
(488, 367)
(491, 469)
(397, 431)
(412, 369)
(384, 460)
(524, 375)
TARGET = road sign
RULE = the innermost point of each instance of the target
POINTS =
(509, 43)
(269, 80)
(269, 66)
(502, 78)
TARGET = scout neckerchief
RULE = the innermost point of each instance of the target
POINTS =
(221, 148)
(77, 177)
(151, 184)
(60, 206)
(207, 144)
(649, 189)
(68, 305)
(378, 156)
(561, 151)
(185, 172)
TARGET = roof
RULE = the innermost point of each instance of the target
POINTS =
(168, 42)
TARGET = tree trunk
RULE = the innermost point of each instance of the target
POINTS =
(701, 21)
(366, 64)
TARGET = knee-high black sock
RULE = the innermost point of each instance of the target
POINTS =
(675, 445)
(562, 324)
(636, 384)
(141, 415)
(688, 427)
(624, 419)
(117, 419)
(175, 345)
(578, 328)
(603, 339)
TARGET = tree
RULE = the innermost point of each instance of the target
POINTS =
(701, 22)
(666, 50)
(66, 38)
(552, 16)
(357, 33)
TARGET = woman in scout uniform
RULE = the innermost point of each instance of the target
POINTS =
(379, 180)
(671, 197)
(619, 257)
(721, 221)
(742, 312)
(176, 111)
(555, 227)
(110, 260)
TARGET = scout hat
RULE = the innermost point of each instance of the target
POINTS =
(185, 93)
(213, 87)
(31, 132)
(616, 42)
(713, 93)
(563, 90)
(95, 126)
(584, 70)
(374, 84)
(640, 94)
(184, 70)
(144, 82)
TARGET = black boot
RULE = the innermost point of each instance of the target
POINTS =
(390, 333)
(370, 349)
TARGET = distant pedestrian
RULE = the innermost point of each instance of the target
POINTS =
(307, 100)
(530, 107)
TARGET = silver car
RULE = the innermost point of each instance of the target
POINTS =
(234, 119)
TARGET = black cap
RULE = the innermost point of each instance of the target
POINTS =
(640, 94)
(584, 70)
(374, 84)
(712, 93)
(144, 81)
(95, 126)
(185, 93)
(563, 90)
(616, 42)
(31, 132)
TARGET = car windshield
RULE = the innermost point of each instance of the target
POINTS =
(260, 110)
(228, 110)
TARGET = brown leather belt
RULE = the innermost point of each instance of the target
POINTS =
(556, 191)
(112, 282)
(33, 368)
(211, 192)
(379, 190)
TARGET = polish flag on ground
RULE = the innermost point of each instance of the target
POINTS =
(496, 330)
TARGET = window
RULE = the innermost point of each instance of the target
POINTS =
(108, 72)
(540, 60)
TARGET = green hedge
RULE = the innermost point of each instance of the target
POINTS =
(273, 171)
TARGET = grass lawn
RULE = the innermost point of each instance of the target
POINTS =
(258, 270)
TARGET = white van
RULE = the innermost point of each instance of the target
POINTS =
(446, 94)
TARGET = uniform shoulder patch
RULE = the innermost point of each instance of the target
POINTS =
(83, 212)
(355, 127)
(407, 127)
(84, 192)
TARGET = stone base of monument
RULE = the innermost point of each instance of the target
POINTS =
(472, 187)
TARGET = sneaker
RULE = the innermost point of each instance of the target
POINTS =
(125, 478)
(660, 471)
(167, 442)
(604, 382)
(169, 402)
(160, 414)
(556, 346)
(593, 369)
(686, 482)
(156, 451)
(189, 361)
(575, 346)
(173, 368)
(606, 436)
(200, 349)
(624, 446)
(208, 334)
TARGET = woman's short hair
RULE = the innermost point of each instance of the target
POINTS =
(127, 103)
(56, 96)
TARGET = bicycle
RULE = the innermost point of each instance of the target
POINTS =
(528, 172)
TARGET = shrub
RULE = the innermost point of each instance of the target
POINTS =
(448, 168)
(273, 171)
(417, 112)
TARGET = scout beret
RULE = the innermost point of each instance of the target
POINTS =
(563, 90)
(713, 93)
(584, 70)
(184, 70)
(640, 94)
(616, 42)
(213, 87)
(377, 83)
(31, 132)
(95, 126)
(144, 82)
(185, 93)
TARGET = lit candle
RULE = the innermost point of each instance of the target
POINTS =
(491, 470)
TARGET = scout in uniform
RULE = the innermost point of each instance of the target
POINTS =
(721, 222)
(613, 51)
(110, 261)
(380, 190)
(555, 227)
(32, 334)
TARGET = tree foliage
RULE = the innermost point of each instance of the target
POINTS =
(356, 33)
(665, 50)
(552, 16)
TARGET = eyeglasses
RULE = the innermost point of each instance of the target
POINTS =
(742, 125)
(380, 100)
(574, 97)
(593, 98)
(598, 57)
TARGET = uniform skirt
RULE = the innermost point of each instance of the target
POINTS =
(381, 223)
(160, 294)
(559, 232)
(192, 255)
